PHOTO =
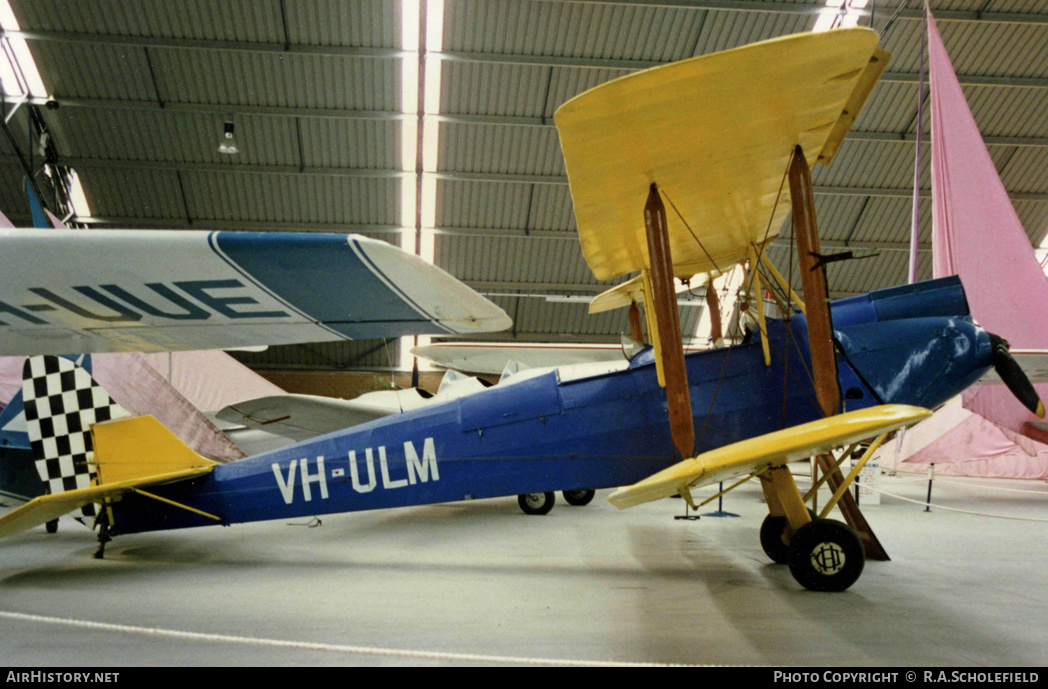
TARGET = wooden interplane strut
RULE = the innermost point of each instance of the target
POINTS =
(813, 281)
(820, 336)
(850, 510)
(664, 305)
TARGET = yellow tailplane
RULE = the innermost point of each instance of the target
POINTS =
(129, 454)
(141, 447)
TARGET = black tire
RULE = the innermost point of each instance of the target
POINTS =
(578, 497)
(826, 555)
(536, 503)
(775, 537)
(774, 540)
(52, 526)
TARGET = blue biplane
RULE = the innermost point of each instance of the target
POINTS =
(717, 136)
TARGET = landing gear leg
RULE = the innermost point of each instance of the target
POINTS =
(52, 526)
(823, 554)
(103, 538)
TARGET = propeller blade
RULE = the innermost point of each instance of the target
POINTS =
(1014, 377)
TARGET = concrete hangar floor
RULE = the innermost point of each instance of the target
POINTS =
(481, 583)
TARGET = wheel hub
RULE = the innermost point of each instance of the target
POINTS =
(827, 558)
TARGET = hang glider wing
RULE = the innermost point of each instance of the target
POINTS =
(767, 451)
(715, 133)
(300, 417)
(76, 291)
(268, 422)
(130, 454)
(492, 357)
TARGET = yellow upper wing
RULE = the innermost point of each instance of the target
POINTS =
(715, 133)
(771, 449)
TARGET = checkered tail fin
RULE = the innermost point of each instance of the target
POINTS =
(62, 401)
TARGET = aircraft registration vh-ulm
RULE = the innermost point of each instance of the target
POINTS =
(718, 136)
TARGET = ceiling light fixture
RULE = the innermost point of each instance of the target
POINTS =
(227, 144)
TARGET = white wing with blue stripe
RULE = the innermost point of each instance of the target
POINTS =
(75, 291)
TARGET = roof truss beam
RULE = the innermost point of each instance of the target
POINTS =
(806, 8)
(458, 232)
(491, 177)
(450, 56)
(448, 118)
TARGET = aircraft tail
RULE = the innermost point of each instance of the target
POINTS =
(85, 448)
(18, 479)
(140, 449)
(62, 401)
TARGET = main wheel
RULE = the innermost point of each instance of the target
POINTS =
(826, 555)
(579, 497)
(536, 503)
(773, 539)
(51, 526)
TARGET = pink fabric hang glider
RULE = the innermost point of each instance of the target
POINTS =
(976, 232)
(977, 235)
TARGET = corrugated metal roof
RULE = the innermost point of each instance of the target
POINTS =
(1034, 217)
(1014, 49)
(335, 22)
(1026, 171)
(308, 199)
(868, 164)
(86, 70)
(727, 29)
(892, 108)
(235, 19)
(838, 216)
(491, 148)
(303, 81)
(889, 220)
(566, 83)
(482, 205)
(482, 88)
(613, 31)
(141, 194)
(539, 261)
(1009, 112)
(550, 209)
(173, 136)
(314, 91)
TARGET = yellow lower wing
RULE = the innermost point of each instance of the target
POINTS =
(769, 450)
(129, 454)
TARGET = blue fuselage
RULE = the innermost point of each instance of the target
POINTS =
(914, 345)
